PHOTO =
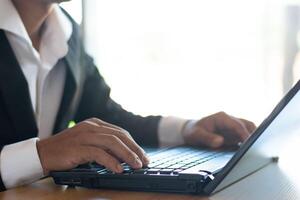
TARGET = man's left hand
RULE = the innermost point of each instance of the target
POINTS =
(217, 130)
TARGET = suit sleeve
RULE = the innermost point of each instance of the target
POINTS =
(96, 102)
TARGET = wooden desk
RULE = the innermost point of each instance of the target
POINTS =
(273, 182)
(46, 190)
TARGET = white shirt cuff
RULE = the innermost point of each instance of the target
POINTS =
(20, 163)
(170, 131)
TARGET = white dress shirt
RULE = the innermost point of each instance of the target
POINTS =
(19, 162)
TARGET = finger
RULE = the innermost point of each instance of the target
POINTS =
(123, 137)
(205, 138)
(233, 126)
(249, 125)
(102, 158)
(133, 146)
(113, 144)
(101, 122)
(229, 138)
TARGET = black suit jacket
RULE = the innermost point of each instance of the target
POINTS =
(85, 95)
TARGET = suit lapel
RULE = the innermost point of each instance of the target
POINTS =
(15, 92)
(73, 82)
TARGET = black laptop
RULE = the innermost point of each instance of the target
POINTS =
(195, 170)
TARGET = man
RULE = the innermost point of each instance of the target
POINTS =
(47, 80)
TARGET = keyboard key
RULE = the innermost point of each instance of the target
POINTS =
(126, 170)
(184, 167)
(191, 165)
(152, 171)
(176, 166)
(162, 166)
(140, 171)
(151, 165)
(104, 171)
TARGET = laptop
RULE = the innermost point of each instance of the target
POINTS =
(195, 170)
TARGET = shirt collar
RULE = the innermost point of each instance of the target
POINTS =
(57, 32)
(57, 22)
(11, 21)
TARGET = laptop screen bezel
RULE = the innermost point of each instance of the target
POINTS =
(212, 185)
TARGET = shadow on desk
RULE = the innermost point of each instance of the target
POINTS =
(272, 182)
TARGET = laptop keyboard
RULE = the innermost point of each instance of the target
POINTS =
(165, 162)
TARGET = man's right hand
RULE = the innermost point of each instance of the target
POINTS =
(91, 140)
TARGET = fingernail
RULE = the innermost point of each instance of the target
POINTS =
(119, 169)
(138, 162)
(217, 142)
(146, 160)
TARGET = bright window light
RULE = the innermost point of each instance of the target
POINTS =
(189, 58)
